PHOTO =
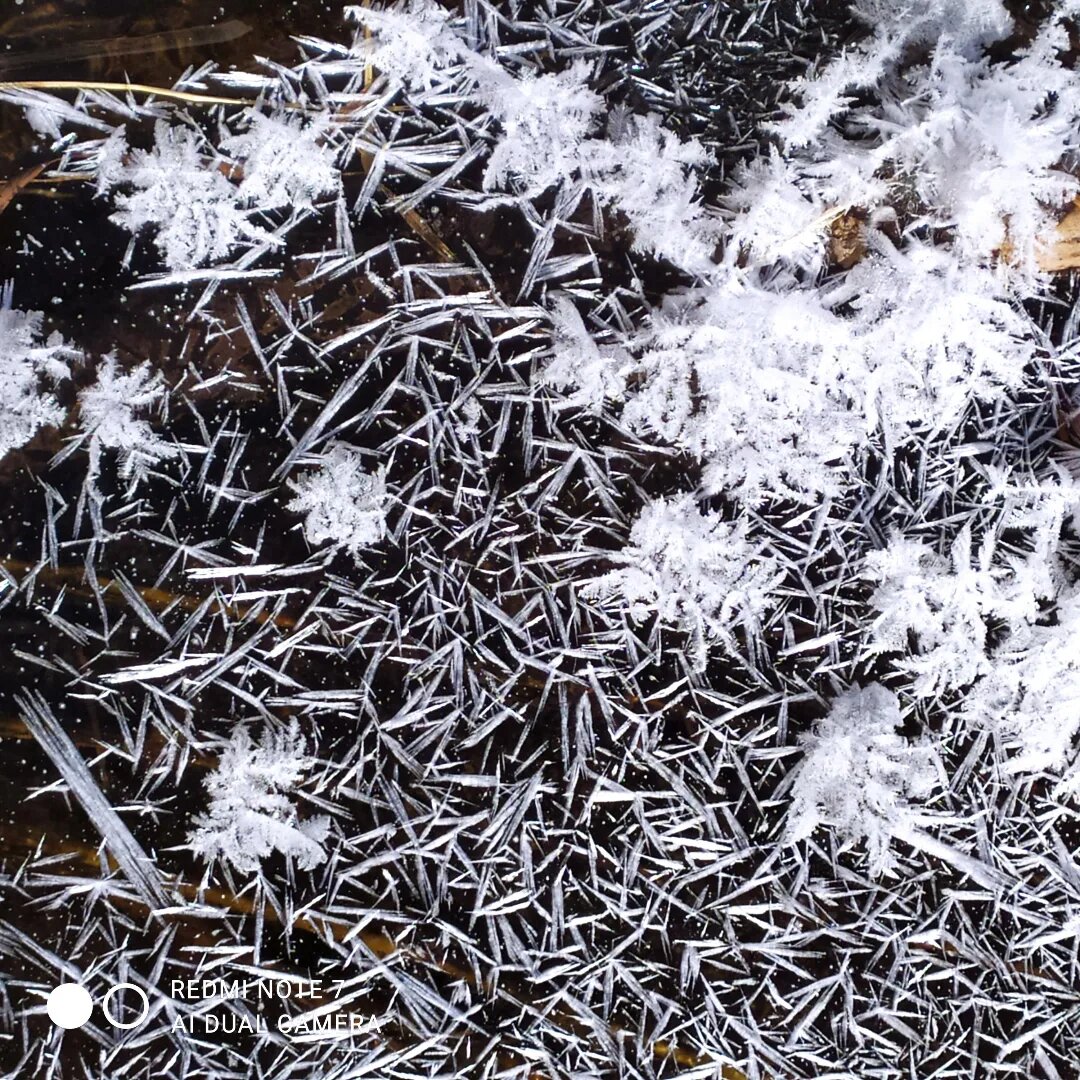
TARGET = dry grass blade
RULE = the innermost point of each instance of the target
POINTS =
(10, 188)
(128, 45)
(123, 88)
(1063, 251)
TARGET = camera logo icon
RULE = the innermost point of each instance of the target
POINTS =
(70, 1005)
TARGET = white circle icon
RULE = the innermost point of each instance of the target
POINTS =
(70, 1005)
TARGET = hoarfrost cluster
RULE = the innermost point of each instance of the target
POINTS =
(30, 366)
(251, 814)
(858, 774)
(693, 571)
(341, 502)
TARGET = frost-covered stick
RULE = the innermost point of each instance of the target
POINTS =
(140, 869)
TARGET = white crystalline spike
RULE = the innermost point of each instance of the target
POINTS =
(139, 868)
(163, 669)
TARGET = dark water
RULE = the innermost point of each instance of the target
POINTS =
(109, 39)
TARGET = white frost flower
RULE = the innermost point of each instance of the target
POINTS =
(411, 43)
(646, 172)
(858, 773)
(251, 814)
(26, 363)
(756, 383)
(107, 409)
(948, 608)
(977, 146)
(343, 503)
(1031, 695)
(284, 161)
(776, 220)
(179, 192)
(545, 119)
(692, 569)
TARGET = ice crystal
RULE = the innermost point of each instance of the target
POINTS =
(979, 147)
(691, 569)
(29, 363)
(950, 611)
(544, 121)
(859, 773)
(412, 41)
(181, 193)
(284, 162)
(252, 813)
(107, 410)
(648, 174)
(342, 502)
